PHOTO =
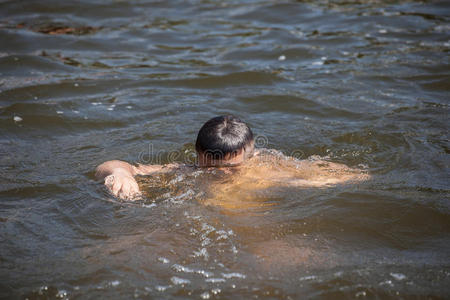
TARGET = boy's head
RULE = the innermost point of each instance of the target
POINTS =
(224, 141)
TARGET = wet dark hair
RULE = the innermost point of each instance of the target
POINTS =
(223, 136)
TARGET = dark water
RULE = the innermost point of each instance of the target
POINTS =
(360, 82)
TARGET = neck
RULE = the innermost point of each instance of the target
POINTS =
(204, 162)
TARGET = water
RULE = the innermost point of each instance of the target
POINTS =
(365, 83)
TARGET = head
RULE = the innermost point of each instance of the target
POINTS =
(224, 141)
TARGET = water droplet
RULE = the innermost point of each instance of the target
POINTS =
(398, 276)
(163, 260)
(361, 294)
(115, 283)
(161, 288)
(216, 291)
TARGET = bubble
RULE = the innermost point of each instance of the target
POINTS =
(282, 57)
(205, 295)
(17, 119)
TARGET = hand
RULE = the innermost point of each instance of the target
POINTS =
(121, 184)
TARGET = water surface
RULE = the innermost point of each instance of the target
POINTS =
(364, 83)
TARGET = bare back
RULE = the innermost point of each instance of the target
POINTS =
(252, 183)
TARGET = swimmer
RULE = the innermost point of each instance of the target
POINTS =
(227, 143)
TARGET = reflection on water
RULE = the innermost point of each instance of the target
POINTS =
(363, 83)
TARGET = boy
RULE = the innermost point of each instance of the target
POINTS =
(227, 142)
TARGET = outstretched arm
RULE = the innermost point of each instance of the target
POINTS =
(118, 177)
(320, 173)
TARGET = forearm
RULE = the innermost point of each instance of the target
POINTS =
(109, 167)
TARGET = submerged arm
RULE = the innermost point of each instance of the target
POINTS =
(118, 178)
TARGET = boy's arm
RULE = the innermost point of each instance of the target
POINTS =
(118, 177)
(109, 167)
(321, 173)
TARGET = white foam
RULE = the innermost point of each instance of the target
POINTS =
(163, 260)
(202, 252)
(233, 275)
(179, 281)
(61, 294)
(162, 288)
(17, 119)
(115, 283)
(204, 273)
(387, 282)
(398, 276)
(311, 277)
(215, 280)
(180, 268)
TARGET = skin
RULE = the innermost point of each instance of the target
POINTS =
(119, 175)
(256, 172)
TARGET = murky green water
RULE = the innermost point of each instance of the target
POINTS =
(360, 82)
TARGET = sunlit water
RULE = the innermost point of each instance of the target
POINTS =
(365, 83)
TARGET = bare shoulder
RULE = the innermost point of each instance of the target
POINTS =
(158, 169)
